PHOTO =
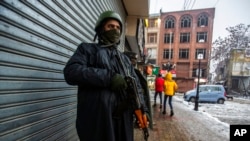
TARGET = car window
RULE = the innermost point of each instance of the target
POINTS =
(202, 89)
(215, 89)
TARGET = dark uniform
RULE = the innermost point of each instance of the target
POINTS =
(92, 68)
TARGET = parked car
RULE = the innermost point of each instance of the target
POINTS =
(207, 93)
(222, 82)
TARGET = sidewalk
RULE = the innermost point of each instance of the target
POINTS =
(185, 125)
(165, 128)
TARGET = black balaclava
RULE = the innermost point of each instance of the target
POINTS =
(110, 37)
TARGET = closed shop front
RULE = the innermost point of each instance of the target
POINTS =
(37, 37)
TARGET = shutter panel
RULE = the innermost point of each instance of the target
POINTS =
(37, 37)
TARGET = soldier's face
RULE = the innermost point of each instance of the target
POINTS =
(112, 24)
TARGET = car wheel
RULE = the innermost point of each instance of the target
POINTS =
(192, 99)
(221, 101)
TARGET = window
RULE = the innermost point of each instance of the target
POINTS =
(153, 23)
(151, 53)
(166, 54)
(152, 38)
(195, 72)
(184, 37)
(168, 37)
(200, 51)
(186, 21)
(202, 20)
(169, 23)
(203, 73)
(183, 53)
(201, 37)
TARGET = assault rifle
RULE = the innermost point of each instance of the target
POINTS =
(134, 94)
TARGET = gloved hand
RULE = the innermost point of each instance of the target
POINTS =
(118, 82)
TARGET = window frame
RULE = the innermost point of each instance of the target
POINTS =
(167, 38)
(185, 37)
(201, 36)
(202, 20)
(166, 54)
(184, 52)
(200, 51)
(169, 22)
(152, 36)
(186, 21)
(203, 72)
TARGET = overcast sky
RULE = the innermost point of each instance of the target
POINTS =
(227, 12)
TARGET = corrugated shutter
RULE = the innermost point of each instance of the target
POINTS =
(36, 40)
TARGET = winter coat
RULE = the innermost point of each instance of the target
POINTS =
(170, 85)
(91, 68)
(159, 82)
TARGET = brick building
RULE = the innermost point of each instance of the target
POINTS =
(180, 37)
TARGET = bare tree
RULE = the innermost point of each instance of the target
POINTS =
(239, 37)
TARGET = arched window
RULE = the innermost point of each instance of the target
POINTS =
(169, 23)
(202, 20)
(186, 21)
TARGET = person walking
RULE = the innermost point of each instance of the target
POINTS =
(104, 108)
(159, 85)
(170, 88)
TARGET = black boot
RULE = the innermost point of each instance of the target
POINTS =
(154, 105)
(164, 112)
(171, 113)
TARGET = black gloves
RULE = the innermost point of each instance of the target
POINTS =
(118, 82)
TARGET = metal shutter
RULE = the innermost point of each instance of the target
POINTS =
(37, 37)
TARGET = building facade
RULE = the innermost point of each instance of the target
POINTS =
(152, 32)
(238, 78)
(181, 37)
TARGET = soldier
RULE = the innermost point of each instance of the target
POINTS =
(104, 110)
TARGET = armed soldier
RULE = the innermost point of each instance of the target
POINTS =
(104, 107)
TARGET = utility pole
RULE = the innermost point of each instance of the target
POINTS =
(199, 57)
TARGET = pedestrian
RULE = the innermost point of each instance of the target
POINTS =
(104, 108)
(159, 85)
(170, 88)
(133, 58)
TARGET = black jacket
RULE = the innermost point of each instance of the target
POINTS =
(91, 68)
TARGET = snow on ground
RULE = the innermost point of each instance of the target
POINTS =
(215, 119)
(236, 111)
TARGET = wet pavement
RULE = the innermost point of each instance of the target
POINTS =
(165, 128)
(185, 125)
